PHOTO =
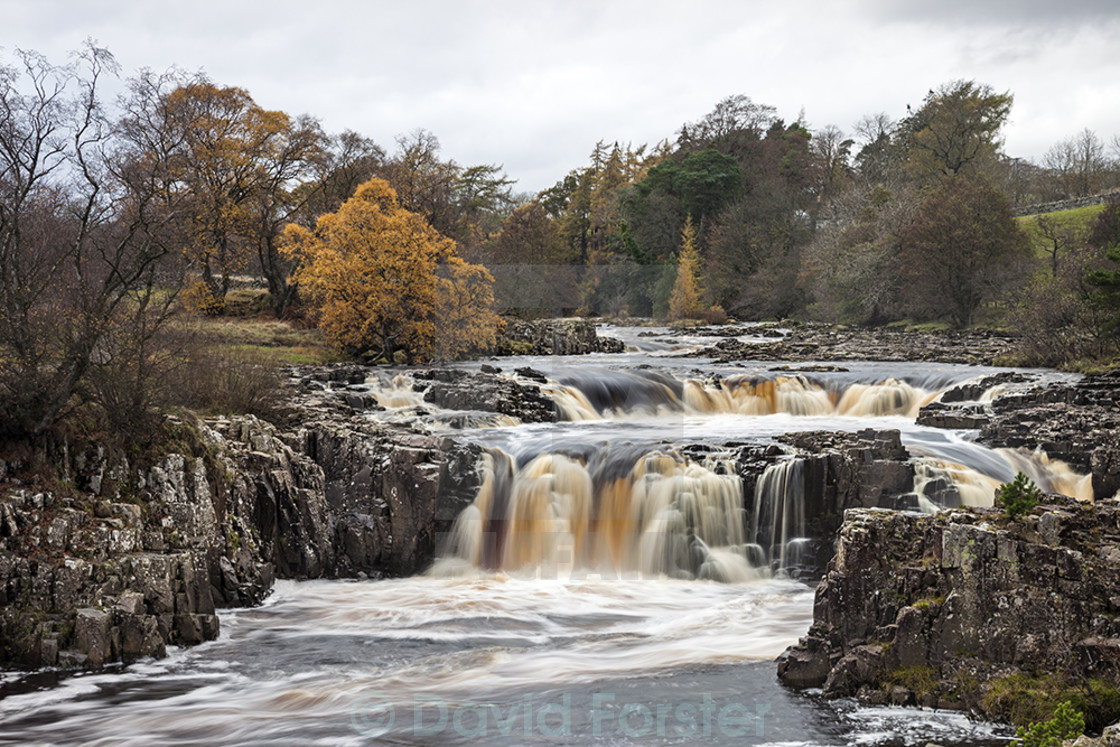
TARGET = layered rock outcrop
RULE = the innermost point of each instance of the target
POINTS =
(122, 562)
(938, 609)
(554, 337)
(820, 342)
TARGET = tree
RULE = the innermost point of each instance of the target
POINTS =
(346, 161)
(880, 157)
(241, 167)
(854, 261)
(684, 303)
(1057, 236)
(734, 119)
(88, 212)
(1105, 293)
(1078, 163)
(531, 263)
(382, 280)
(424, 183)
(957, 128)
(963, 247)
(832, 151)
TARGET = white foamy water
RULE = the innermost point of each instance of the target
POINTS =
(491, 659)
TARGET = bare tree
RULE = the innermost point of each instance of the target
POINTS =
(734, 115)
(1078, 163)
(86, 216)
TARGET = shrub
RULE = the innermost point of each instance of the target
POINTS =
(1067, 723)
(1019, 496)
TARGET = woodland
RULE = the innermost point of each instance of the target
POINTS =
(122, 220)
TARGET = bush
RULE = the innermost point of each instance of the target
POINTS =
(1018, 496)
(1067, 723)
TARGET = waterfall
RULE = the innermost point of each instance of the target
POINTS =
(613, 514)
(624, 394)
(944, 481)
(778, 520)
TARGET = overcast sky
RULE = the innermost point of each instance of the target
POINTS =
(533, 84)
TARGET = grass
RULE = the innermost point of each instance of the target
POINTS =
(1071, 223)
(249, 330)
(919, 679)
(1025, 699)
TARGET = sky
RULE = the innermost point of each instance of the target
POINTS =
(532, 85)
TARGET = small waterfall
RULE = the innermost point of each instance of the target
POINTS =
(396, 393)
(613, 514)
(890, 397)
(947, 484)
(778, 520)
(625, 394)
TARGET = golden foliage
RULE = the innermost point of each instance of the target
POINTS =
(684, 303)
(382, 280)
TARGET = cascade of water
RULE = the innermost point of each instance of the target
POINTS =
(626, 394)
(657, 514)
(948, 483)
(396, 393)
(778, 519)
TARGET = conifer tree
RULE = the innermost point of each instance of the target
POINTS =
(684, 303)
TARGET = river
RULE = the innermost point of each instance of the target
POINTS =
(549, 619)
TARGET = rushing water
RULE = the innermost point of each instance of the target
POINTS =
(603, 588)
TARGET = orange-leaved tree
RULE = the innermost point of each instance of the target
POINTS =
(383, 280)
(684, 303)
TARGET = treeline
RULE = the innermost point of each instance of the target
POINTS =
(909, 219)
(116, 215)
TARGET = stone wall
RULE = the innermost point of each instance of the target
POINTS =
(1070, 204)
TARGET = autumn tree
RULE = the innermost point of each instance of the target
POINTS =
(684, 302)
(383, 280)
(962, 249)
(241, 167)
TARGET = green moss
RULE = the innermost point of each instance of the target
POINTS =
(517, 347)
(964, 683)
(1026, 699)
(927, 602)
(919, 679)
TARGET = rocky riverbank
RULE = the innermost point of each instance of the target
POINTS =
(968, 608)
(819, 342)
(105, 560)
(554, 337)
(1077, 423)
(118, 561)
